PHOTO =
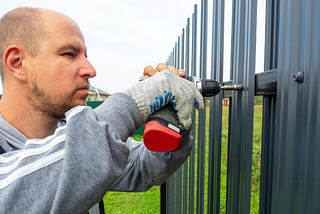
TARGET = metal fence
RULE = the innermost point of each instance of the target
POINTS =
(289, 85)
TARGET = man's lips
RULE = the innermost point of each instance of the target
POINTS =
(86, 87)
(84, 90)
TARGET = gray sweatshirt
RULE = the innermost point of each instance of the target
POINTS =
(88, 155)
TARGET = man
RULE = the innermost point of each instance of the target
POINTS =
(59, 156)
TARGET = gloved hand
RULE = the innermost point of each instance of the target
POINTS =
(165, 87)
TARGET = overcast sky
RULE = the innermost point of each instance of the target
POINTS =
(122, 36)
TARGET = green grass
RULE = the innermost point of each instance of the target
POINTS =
(135, 203)
(256, 159)
(149, 202)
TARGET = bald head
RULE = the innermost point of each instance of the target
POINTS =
(26, 27)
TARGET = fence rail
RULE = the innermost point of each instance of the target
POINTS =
(289, 85)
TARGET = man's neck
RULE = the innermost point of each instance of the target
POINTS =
(31, 123)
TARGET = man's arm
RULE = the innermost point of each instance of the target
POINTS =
(97, 159)
(144, 168)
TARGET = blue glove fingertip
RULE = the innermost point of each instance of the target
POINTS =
(196, 103)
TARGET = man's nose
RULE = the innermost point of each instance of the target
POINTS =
(87, 70)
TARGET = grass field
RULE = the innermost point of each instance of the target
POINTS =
(149, 202)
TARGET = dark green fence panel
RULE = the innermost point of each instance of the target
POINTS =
(289, 85)
(94, 104)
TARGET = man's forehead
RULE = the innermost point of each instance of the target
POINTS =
(55, 21)
(61, 31)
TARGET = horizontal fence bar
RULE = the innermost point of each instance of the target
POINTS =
(265, 84)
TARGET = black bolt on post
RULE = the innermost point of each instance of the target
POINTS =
(298, 77)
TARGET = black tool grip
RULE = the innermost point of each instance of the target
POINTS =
(209, 88)
(166, 113)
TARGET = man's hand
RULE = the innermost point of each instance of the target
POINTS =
(166, 87)
(150, 70)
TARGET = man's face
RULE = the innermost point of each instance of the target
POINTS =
(58, 77)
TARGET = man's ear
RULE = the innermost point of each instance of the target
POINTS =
(12, 62)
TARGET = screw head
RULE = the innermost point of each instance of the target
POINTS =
(298, 77)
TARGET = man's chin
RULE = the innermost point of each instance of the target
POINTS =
(81, 100)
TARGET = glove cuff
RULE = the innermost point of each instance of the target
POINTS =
(137, 93)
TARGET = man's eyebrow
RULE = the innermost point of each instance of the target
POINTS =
(69, 47)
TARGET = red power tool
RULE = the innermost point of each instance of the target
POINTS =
(163, 132)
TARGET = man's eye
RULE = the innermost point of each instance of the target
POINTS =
(69, 54)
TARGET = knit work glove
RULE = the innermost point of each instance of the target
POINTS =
(165, 87)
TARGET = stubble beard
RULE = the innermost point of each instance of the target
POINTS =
(51, 106)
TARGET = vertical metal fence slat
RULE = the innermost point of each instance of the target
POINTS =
(193, 72)
(279, 203)
(177, 64)
(167, 188)
(184, 61)
(202, 114)
(313, 134)
(269, 108)
(178, 177)
(241, 111)
(186, 164)
(215, 126)
(170, 184)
